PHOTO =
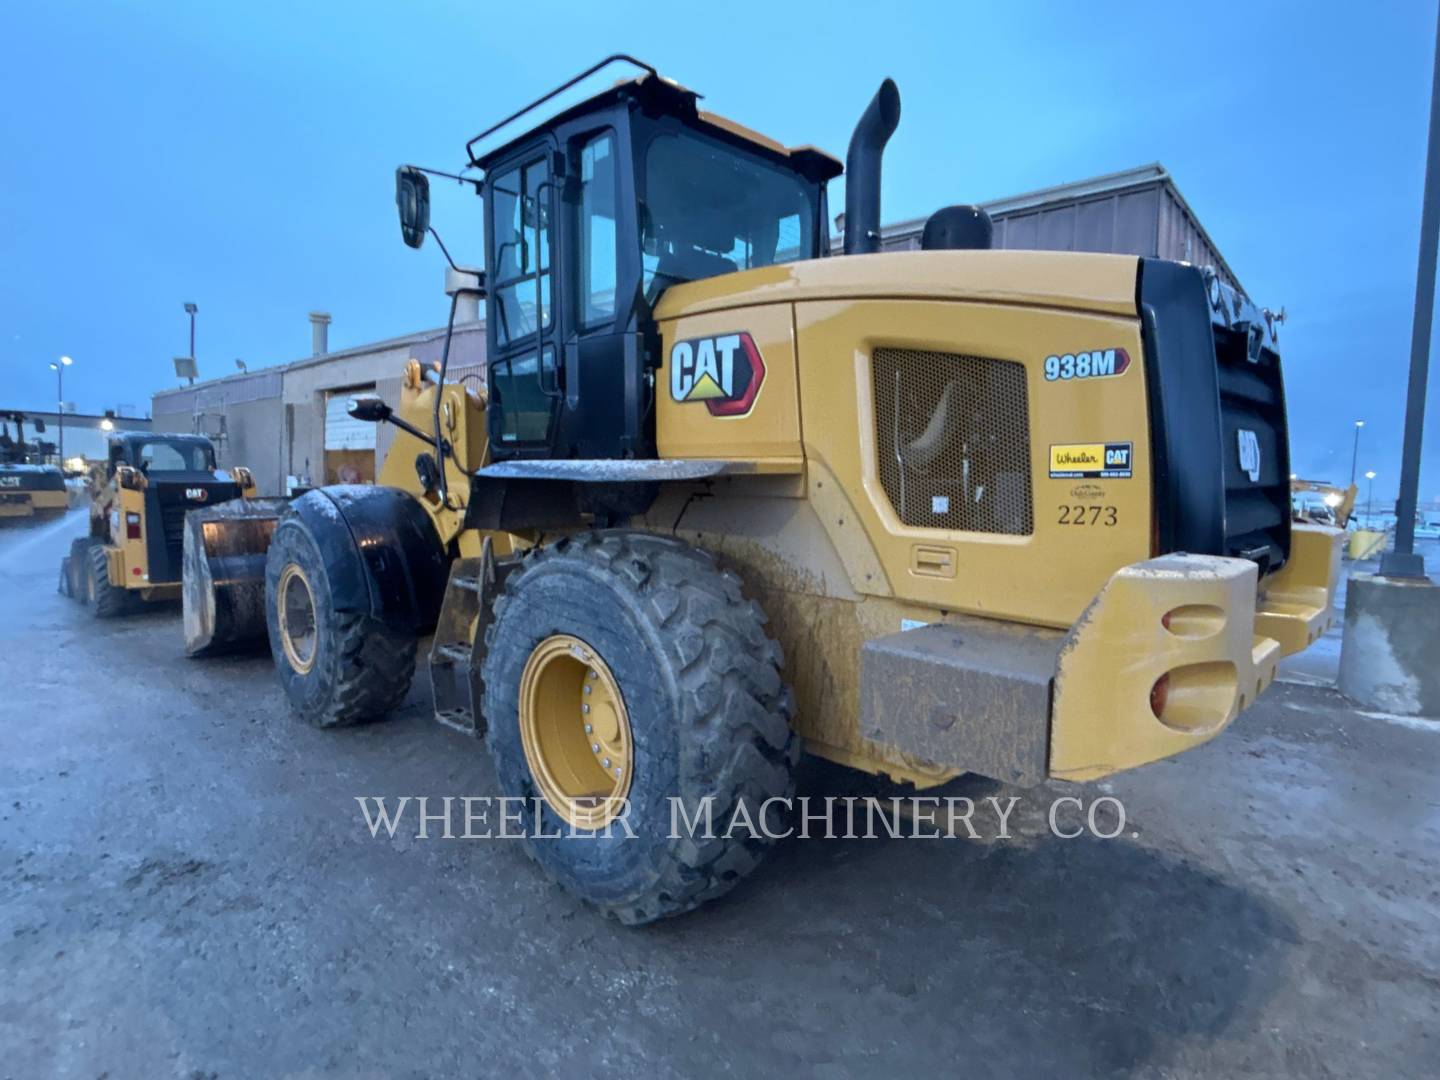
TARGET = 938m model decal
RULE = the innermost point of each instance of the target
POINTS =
(725, 372)
(1096, 364)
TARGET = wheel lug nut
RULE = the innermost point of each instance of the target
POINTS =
(589, 728)
(607, 763)
(584, 708)
(587, 689)
(595, 746)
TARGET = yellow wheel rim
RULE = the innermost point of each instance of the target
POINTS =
(295, 604)
(576, 732)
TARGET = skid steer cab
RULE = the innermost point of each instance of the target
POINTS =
(139, 497)
(723, 494)
(29, 489)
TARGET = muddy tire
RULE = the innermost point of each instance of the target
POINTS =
(105, 600)
(707, 709)
(337, 668)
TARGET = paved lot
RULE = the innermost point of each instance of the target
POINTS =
(186, 889)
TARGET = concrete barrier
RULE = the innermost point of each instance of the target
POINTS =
(1390, 653)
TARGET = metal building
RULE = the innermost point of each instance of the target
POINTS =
(85, 434)
(1136, 212)
(288, 424)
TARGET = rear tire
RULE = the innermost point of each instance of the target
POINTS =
(337, 668)
(105, 599)
(74, 569)
(706, 710)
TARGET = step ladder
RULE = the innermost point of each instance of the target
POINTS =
(460, 640)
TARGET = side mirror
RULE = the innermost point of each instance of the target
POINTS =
(38, 424)
(370, 409)
(412, 198)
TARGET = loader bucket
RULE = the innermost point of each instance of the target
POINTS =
(223, 588)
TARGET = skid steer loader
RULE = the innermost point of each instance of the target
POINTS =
(1023, 514)
(139, 497)
(29, 489)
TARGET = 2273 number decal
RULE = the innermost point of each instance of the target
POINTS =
(1088, 514)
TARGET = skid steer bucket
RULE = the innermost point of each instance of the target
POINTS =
(224, 574)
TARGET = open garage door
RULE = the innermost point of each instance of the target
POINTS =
(349, 443)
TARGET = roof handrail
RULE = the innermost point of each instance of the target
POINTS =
(611, 59)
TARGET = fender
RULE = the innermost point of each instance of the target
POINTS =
(381, 551)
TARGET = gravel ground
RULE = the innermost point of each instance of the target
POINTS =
(187, 889)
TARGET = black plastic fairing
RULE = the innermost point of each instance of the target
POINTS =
(1189, 489)
(382, 554)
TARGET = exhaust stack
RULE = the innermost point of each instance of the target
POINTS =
(862, 169)
(319, 333)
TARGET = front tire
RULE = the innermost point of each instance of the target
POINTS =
(105, 600)
(337, 668)
(706, 716)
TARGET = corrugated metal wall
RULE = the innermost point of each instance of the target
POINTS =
(1147, 219)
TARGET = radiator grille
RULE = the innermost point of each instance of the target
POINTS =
(954, 441)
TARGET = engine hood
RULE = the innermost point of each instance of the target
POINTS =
(1074, 280)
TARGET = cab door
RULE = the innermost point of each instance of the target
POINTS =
(525, 394)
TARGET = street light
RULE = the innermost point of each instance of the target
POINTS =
(1370, 499)
(190, 310)
(1356, 454)
(59, 369)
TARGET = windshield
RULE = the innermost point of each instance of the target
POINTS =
(710, 210)
(175, 457)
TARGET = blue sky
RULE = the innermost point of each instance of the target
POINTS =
(242, 156)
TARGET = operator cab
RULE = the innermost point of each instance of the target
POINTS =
(590, 216)
(155, 454)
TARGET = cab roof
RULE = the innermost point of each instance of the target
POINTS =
(132, 439)
(663, 95)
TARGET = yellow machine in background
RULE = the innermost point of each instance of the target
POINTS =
(1319, 503)
(1022, 514)
(138, 502)
(28, 488)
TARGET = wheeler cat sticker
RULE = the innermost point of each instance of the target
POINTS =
(725, 372)
(1096, 364)
(1091, 461)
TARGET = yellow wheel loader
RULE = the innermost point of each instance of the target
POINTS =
(138, 501)
(725, 495)
(29, 489)
(1321, 503)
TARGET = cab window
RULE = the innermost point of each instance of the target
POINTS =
(597, 230)
(712, 210)
(521, 255)
(171, 457)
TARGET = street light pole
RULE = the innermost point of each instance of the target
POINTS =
(59, 367)
(1403, 562)
(190, 310)
(1370, 500)
(1355, 454)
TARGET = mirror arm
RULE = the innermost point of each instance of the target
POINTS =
(440, 443)
(443, 249)
(411, 429)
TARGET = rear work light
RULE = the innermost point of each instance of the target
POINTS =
(132, 526)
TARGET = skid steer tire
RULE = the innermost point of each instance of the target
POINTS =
(356, 668)
(708, 716)
(105, 600)
(75, 568)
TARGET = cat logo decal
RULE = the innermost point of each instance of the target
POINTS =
(725, 372)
